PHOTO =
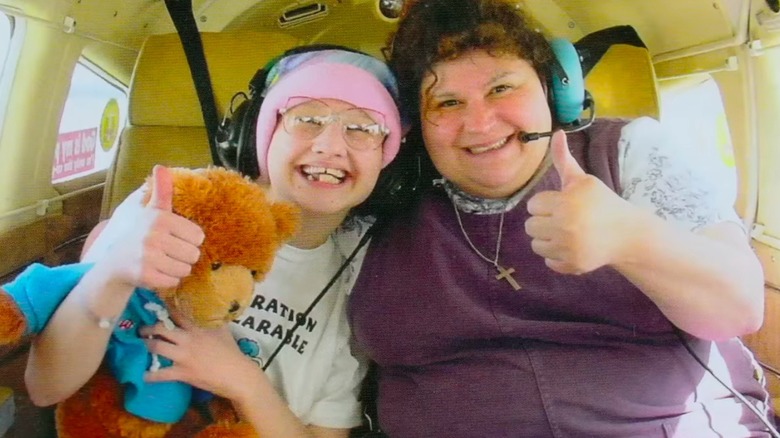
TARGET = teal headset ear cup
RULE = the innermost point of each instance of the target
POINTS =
(568, 92)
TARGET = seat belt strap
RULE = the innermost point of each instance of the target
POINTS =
(184, 20)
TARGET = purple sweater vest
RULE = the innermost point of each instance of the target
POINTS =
(462, 354)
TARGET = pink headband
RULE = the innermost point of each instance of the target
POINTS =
(328, 80)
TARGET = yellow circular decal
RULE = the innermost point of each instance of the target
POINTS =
(109, 125)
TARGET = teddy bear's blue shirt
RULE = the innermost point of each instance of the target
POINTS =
(39, 290)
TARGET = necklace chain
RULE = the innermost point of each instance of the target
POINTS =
(494, 262)
(503, 273)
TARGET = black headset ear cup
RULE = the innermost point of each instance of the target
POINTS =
(236, 139)
(246, 149)
(402, 181)
(227, 138)
(236, 133)
(225, 148)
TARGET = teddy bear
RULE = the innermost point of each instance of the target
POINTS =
(243, 229)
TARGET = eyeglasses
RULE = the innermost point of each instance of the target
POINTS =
(362, 129)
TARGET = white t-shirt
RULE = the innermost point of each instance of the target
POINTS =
(315, 371)
(660, 174)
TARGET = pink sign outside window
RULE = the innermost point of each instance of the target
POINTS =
(75, 153)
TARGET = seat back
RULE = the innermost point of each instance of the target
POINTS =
(623, 83)
(165, 123)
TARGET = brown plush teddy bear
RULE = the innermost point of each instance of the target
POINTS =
(243, 230)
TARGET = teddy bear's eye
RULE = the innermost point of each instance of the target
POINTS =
(254, 273)
(234, 306)
(215, 266)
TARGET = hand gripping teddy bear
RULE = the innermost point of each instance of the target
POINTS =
(243, 230)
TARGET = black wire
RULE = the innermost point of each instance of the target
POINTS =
(775, 372)
(301, 318)
(759, 415)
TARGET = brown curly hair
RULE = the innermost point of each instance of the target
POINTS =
(431, 31)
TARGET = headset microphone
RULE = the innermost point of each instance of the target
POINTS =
(527, 137)
(577, 125)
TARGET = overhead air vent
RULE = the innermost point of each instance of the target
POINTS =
(302, 14)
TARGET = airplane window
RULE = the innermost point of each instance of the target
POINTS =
(94, 114)
(11, 30)
(693, 113)
(6, 27)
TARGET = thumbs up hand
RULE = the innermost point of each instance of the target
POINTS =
(160, 247)
(581, 227)
(569, 170)
(162, 189)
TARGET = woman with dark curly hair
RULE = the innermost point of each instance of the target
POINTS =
(550, 285)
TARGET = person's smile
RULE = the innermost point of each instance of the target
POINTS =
(326, 175)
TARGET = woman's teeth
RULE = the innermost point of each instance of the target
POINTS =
(488, 148)
(324, 174)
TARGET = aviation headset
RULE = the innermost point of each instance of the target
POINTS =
(567, 99)
(568, 95)
(236, 133)
(237, 149)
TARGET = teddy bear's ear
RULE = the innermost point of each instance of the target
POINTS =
(287, 217)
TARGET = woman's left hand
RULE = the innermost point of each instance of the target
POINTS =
(205, 358)
(582, 227)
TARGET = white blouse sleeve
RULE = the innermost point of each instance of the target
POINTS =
(122, 221)
(665, 177)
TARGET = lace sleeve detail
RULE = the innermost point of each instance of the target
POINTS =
(663, 176)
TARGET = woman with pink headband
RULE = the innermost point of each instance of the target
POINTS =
(328, 124)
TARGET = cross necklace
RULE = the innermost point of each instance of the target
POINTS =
(503, 273)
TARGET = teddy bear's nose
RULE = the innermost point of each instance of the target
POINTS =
(234, 306)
